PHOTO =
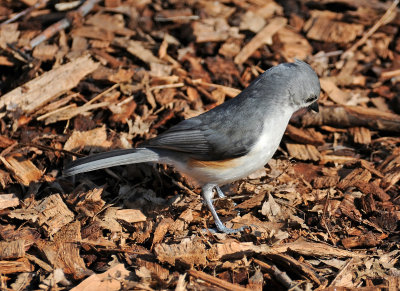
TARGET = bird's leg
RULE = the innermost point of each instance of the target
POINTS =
(222, 195)
(208, 195)
(219, 192)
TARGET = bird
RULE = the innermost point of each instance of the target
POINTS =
(228, 142)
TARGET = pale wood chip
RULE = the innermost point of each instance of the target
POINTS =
(188, 251)
(325, 26)
(213, 30)
(391, 178)
(294, 45)
(110, 280)
(137, 49)
(130, 215)
(303, 152)
(63, 252)
(351, 116)
(9, 33)
(95, 138)
(19, 266)
(12, 249)
(319, 250)
(361, 135)
(93, 32)
(162, 229)
(325, 182)
(45, 52)
(8, 200)
(182, 222)
(251, 21)
(23, 170)
(261, 38)
(306, 136)
(69, 111)
(232, 248)
(53, 214)
(154, 269)
(41, 90)
(356, 177)
(334, 93)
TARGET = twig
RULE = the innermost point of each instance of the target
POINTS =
(282, 277)
(176, 85)
(372, 30)
(22, 54)
(176, 18)
(25, 12)
(62, 24)
(323, 219)
(47, 148)
(216, 281)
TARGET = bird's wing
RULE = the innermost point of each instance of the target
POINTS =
(210, 136)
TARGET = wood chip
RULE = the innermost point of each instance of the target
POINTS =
(303, 152)
(363, 241)
(352, 116)
(357, 176)
(110, 280)
(187, 252)
(41, 90)
(293, 45)
(88, 140)
(361, 135)
(137, 49)
(305, 136)
(18, 266)
(24, 171)
(261, 38)
(315, 249)
(334, 93)
(213, 30)
(216, 282)
(322, 26)
(63, 252)
(12, 250)
(8, 200)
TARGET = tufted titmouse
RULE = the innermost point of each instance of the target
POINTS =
(228, 142)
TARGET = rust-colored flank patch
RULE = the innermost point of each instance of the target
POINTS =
(228, 163)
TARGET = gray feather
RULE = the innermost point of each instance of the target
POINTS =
(111, 159)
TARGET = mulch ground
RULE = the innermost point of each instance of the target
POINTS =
(81, 77)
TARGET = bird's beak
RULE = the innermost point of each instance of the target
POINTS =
(314, 107)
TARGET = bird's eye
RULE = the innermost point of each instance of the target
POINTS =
(311, 99)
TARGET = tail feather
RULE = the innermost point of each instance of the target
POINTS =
(111, 159)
